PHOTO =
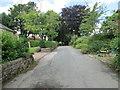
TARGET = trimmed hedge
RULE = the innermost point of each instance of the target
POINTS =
(35, 43)
(48, 44)
(42, 43)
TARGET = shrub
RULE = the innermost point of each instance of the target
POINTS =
(50, 44)
(13, 48)
(84, 50)
(34, 43)
(82, 40)
(42, 43)
(98, 42)
(22, 46)
(95, 45)
(114, 44)
(72, 41)
(115, 63)
(79, 46)
(34, 49)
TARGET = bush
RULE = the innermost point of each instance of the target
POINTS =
(13, 48)
(34, 43)
(84, 50)
(95, 46)
(115, 63)
(34, 49)
(79, 46)
(82, 40)
(42, 43)
(98, 42)
(50, 44)
(47, 44)
(72, 41)
(114, 44)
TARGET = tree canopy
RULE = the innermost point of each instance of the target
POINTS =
(91, 19)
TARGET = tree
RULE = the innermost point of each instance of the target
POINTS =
(5, 19)
(91, 19)
(31, 21)
(109, 25)
(72, 18)
(51, 25)
(17, 23)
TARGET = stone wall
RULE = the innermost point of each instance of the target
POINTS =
(12, 68)
(47, 49)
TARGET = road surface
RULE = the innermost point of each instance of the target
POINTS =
(66, 68)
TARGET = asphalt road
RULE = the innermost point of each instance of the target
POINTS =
(66, 68)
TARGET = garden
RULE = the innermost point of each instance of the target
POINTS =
(13, 48)
(75, 26)
(104, 44)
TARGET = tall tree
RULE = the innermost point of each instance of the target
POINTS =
(31, 21)
(17, 23)
(72, 18)
(91, 20)
(51, 25)
(110, 24)
(4, 19)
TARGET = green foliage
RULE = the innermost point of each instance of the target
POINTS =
(42, 43)
(82, 45)
(5, 19)
(31, 20)
(91, 19)
(82, 40)
(109, 25)
(114, 43)
(96, 45)
(51, 25)
(99, 41)
(50, 44)
(84, 50)
(115, 63)
(34, 49)
(34, 43)
(13, 48)
(73, 39)
(16, 10)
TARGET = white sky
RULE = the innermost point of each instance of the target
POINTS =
(56, 5)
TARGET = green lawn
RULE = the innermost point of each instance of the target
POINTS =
(34, 49)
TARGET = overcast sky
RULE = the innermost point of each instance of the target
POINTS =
(56, 5)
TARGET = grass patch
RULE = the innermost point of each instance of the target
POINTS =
(33, 50)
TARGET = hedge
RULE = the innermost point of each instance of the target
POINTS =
(48, 44)
(12, 48)
(34, 43)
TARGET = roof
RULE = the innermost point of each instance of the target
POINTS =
(6, 28)
(34, 38)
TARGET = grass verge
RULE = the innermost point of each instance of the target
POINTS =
(32, 50)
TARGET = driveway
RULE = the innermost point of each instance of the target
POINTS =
(66, 67)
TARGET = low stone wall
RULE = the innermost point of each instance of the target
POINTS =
(47, 49)
(12, 68)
